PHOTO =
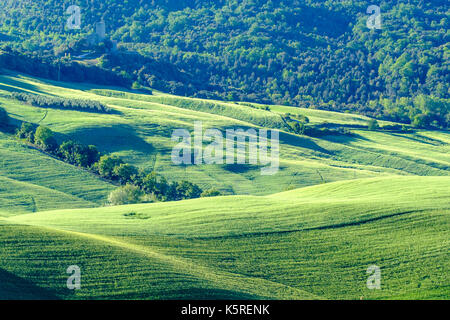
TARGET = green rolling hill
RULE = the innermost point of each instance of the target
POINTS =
(32, 181)
(141, 134)
(316, 245)
(339, 204)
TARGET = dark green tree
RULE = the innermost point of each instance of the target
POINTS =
(373, 125)
(126, 173)
(45, 139)
(107, 164)
(26, 132)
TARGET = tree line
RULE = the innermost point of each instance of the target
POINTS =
(61, 103)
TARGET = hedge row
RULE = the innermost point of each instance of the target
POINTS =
(61, 103)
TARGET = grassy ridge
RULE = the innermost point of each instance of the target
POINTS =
(358, 201)
(321, 245)
(17, 197)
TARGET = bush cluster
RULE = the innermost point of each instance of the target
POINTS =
(296, 123)
(152, 186)
(320, 132)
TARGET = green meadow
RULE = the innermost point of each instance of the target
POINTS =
(339, 204)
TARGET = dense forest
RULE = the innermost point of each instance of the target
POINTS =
(307, 53)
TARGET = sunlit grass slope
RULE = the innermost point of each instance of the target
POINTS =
(35, 268)
(141, 134)
(314, 242)
(31, 181)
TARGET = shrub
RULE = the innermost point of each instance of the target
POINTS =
(149, 182)
(298, 127)
(373, 125)
(420, 121)
(188, 190)
(61, 103)
(44, 138)
(394, 127)
(81, 155)
(66, 151)
(302, 118)
(92, 155)
(26, 131)
(125, 172)
(128, 194)
(210, 193)
(160, 188)
(322, 132)
(136, 86)
(153, 184)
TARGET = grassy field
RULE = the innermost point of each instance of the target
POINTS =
(141, 134)
(338, 205)
(315, 242)
(32, 181)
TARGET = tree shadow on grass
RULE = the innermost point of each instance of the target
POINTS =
(425, 140)
(344, 138)
(113, 138)
(8, 84)
(240, 168)
(13, 287)
(301, 142)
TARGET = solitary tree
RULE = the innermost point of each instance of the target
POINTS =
(373, 125)
(45, 139)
